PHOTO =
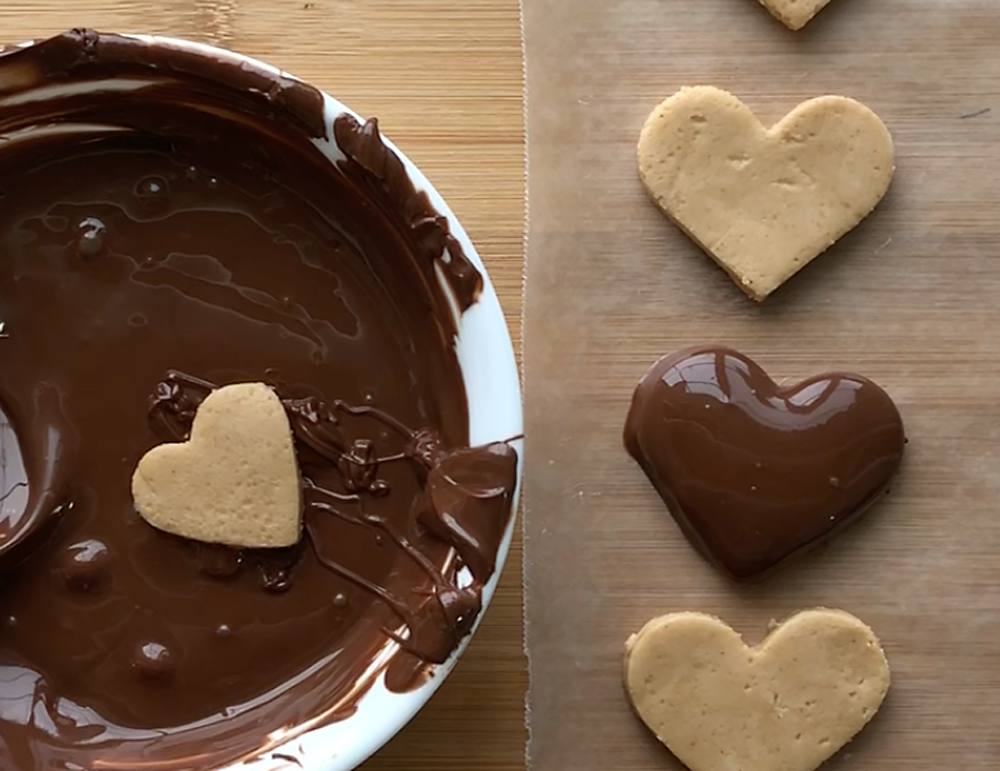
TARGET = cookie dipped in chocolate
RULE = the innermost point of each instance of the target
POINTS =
(755, 473)
(162, 210)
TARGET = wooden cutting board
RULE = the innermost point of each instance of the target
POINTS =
(445, 80)
(908, 299)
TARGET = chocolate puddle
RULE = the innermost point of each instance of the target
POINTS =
(753, 473)
(192, 224)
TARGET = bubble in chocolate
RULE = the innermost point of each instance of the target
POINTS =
(10, 622)
(91, 238)
(216, 560)
(85, 566)
(213, 183)
(153, 662)
(340, 600)
(223, 631)
(153, 194)
(276, 581)
(151, 187)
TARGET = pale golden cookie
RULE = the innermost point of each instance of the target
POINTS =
(764, 202)
(794, 14)
(786, 705)
(234, 482)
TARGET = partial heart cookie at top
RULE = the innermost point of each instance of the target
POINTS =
(755, 473)
(786, 705)
(794, 14)
(234, 482)
(763, 202)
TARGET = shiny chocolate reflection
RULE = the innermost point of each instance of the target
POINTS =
(755, 473)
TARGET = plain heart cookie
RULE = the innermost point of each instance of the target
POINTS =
(794, 14)
(786, 705)
(764, 202)
(234, 482)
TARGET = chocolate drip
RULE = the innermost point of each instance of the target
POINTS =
(386, 180)
(754, 473)
(468, 490)
(175, 402)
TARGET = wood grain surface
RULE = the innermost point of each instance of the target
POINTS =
(908, 299)
(444, 78)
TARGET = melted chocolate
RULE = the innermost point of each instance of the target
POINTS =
(754, 473)
(468, 499)
(193, 224)
(386, 180)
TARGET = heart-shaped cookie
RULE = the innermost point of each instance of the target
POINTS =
(755, 473)
(764, 202)
(794, 14)
(234, 482)
(786, 705)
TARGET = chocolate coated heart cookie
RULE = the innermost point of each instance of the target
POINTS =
(755, 473)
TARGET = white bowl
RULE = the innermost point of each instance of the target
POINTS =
(486, 358)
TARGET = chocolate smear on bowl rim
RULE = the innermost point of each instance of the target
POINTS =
(182, 215)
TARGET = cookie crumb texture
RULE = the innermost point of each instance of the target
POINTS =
(794, 14)
(763, 202)
(786, 705)
(234, 482)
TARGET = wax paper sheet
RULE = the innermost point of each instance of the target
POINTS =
(908, 299)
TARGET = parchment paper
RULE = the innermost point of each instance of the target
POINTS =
(909, 299)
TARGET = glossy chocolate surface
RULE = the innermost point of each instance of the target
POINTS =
(754, 473)
(158, 242)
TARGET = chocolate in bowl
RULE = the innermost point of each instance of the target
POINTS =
(175, 218)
